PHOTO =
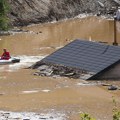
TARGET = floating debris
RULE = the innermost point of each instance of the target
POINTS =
(54, 70)
(112, 87)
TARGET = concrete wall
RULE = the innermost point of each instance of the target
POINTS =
(112, 73)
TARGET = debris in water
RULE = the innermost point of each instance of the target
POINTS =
(54, 70)
(112, 87)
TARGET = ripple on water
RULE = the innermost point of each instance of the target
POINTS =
(45, 90)
(35, 91)
(89, 84)
(29, 92)
(25, 61)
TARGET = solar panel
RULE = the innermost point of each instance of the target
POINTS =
(86, 55)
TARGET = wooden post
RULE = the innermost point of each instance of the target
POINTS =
(115, 33)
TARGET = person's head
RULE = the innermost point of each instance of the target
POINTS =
(4, 50)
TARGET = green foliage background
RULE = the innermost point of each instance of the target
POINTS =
(4, 9)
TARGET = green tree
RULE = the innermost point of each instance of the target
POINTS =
(4, 9)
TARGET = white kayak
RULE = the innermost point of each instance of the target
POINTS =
(11, 60)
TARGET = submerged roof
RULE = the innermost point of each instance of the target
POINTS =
(90, 56)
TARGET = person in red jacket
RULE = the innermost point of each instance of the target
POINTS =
(5, 55)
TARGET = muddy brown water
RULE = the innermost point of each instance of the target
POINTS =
(20, 90)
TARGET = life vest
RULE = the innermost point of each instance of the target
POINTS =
(5, 56)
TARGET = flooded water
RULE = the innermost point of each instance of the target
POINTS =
(21, 91)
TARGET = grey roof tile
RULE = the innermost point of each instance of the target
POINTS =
(81, 54)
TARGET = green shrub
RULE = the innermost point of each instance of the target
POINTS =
(116, 115)
(85, 116)
(4, 23)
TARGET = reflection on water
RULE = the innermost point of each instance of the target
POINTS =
(35, 91)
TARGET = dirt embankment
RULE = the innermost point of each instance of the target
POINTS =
(24, 12)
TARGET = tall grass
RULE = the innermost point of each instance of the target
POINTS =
(116, 111)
